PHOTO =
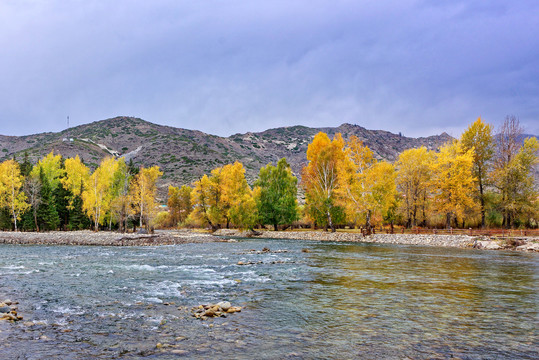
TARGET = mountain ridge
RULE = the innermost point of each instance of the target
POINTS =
(185, 155)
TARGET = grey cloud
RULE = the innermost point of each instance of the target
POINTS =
(420, 67)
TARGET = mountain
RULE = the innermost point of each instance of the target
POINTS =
(185, 155)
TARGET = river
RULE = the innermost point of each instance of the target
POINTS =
(302, 300)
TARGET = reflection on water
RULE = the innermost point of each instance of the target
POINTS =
(339, 300)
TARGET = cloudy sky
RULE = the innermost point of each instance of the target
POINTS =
(418, 67)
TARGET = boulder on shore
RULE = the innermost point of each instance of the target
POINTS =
(221, 309)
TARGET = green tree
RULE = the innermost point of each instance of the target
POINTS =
(276, 195)
(26, 165)
(47, 216)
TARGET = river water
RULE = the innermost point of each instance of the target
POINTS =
(303, 300)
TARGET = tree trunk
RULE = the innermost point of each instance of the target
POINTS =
(448, 220)
(482, 200)
(275, 228)
(330, 222)
(35, 220)
(368, 222)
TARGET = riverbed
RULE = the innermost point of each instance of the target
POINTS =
(300, 300)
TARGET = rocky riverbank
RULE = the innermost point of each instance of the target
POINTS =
(460, 241)
(8, 311)
(104, 238)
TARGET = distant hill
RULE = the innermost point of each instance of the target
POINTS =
(185, 155)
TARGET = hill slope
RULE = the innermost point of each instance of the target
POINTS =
(185, 155)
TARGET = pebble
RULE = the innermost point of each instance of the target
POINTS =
(179, 352)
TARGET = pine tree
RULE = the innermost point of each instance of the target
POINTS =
(47, 216)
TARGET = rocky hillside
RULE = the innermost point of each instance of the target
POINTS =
(185, 155)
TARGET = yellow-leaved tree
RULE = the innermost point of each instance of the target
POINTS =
(75, 179)
(224, 198)
(366, 187)
(239, 205)
(51, 165)
(97, 196)
(205, 198)
(354, 188)
(179, 204)
(11, 194)
(519, 197)
(119, 207)
(478, 136)
(414, 172)
(143, 190)
(383, 191)
(320, 179)
(453, 182)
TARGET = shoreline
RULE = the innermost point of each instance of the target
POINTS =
(104, 238)
(527, 244)
(185, 236)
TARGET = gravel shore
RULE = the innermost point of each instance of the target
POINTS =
(174, 237)
(104, 238)
(459, 241)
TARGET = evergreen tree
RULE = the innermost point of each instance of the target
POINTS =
(77, 218)
(61, 198)
(27, 221)
(26, 166)
(47, 216)
(5, 219)
(132, 169)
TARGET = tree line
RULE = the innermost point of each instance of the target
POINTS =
(482, 179)
(478, 180)
(58, 193)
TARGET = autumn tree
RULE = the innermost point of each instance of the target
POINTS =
(76, 177)
(478, 136)
(382, 191)
(224, 197)
(205, 199)
(74, 182)
(32, 189)
(414, 173)
(97, 196)
(143, 191)
(276, 194)
(120, 204)
(453, 182)
(320, 179)
(11, 194)
(51, 165)
(354, 184)
(179, 204)
(513, 172)
(516, 183)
